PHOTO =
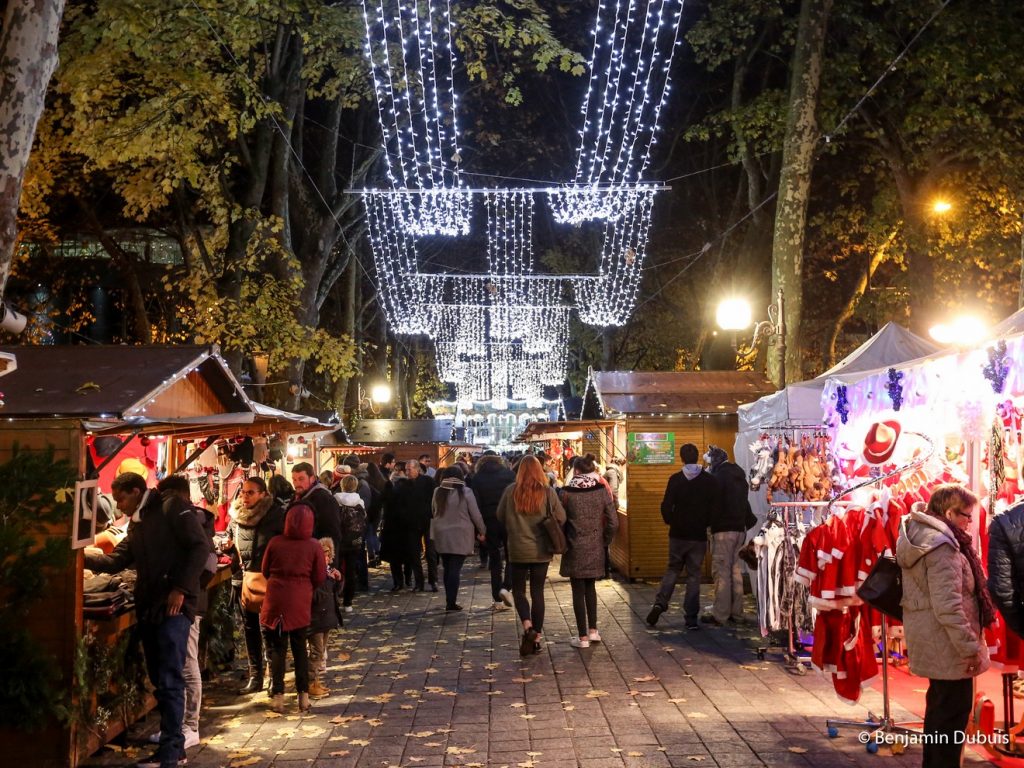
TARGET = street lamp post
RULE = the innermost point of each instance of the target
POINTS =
(735, 315)
(379, 394)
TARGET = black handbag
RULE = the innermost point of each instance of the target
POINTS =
(556, 534)
(883, 588)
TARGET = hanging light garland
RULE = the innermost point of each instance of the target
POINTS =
(417, 114)
(630, 67)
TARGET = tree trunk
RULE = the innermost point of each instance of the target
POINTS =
(607, 349)
(795, 179)
(859, 289)
(28, 56)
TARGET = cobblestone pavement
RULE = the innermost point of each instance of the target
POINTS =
(414, 686)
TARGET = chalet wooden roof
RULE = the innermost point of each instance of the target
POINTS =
(687, 392)
(411, 431)
(110, 381)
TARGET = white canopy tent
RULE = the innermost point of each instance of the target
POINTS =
(800, 403)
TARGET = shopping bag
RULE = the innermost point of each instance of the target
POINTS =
(556, 534)
(254, 589)
(883, 588)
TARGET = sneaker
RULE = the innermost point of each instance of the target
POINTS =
(348, 609)
(191, 738)
(538, 644)
(506, 597)
(579, 642)
(154, 761)
(526, 645)
(318, 690)
(709, 618)
(594, 636)
(654, 614)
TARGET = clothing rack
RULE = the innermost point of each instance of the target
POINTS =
(885, 724)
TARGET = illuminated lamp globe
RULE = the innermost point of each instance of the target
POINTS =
(381, 393)
(962, 331)
(941, 206)
(733, 315)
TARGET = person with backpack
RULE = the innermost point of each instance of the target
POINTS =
(353, 533)
(728, 535)
(324, 617)
(522, 510)
(455, 520)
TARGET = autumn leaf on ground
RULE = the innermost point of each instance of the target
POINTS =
(523, 680)
(495, 693)
(269, 714)
(421, 734)
(569, 708)
(677, 701)
(342, 719)
(617, 750)
(644, 679)
(344, 656)
(696, 758)
(341, 753)
(406, 706)
(430, 671)
(460, 751)
(797, 750)
(375, 722)
(246, 761)
(359, 743)
(527, 717)
(433, 744)
(697, 715)
(383, 698)
(517, 705)
(493, 665)
(634, 754)
(749, 668)
(597, 694)
(534, 754)
(238, 754)
(417, 759)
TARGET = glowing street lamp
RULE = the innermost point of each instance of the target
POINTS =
(735, 315)
(941, 206)
(380, 394)
(962, 331)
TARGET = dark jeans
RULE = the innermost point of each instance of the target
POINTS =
(277, 646)
(253, 642)
(165, 645)
(362, 572)
(350, 570)
(537, 573)
(947, 709)
(584, 604)
(452, 565)
(687, 555)
(432, 559)
(500, 577)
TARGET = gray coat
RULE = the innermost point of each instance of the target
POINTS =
(940, 602)
(453, 528)
(594, 520)
(527, 540)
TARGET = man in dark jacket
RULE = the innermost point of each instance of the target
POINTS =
(489, 483)
(169, 549)
(692, 499)
(1006, 566)
(422, 500)
(728, 535)
(326, 512)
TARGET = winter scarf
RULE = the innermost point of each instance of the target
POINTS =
(987, 607)
(250, 518)
(584, 481)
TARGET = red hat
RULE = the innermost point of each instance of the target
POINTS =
(881, 441)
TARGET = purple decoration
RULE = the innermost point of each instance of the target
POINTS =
(895, 388)
(842, 404)
(998, 367)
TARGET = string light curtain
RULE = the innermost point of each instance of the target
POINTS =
(412, 69)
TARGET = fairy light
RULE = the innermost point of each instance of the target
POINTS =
(412, 116)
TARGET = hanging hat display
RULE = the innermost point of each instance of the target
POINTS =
(880, 441)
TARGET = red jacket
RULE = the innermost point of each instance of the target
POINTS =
(294, 566)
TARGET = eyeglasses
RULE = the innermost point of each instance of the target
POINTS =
(251, 493)
(960, 512)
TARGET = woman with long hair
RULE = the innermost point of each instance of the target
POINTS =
(456, 519)
(522, 510)
(946, 607)
(590, 509)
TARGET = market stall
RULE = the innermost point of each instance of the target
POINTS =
(406, 439)
(659, 412)
(563, 440)
(55, 399)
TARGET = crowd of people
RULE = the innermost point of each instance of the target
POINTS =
(301, 552)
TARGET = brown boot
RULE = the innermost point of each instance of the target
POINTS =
(277, 702)
(317, 690)
(304, 704)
